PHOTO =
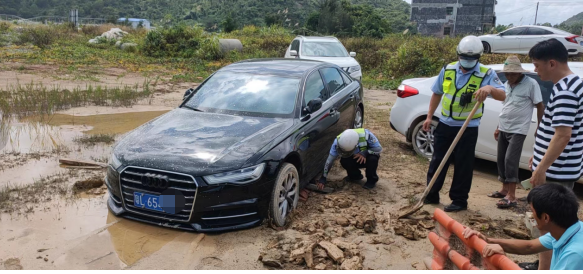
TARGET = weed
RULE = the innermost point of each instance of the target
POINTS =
(92, 140)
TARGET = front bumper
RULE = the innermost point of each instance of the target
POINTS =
(215, 208)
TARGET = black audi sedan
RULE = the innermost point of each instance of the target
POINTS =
(238, 149)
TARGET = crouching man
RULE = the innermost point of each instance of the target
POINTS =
(358, 148)
(555, 210)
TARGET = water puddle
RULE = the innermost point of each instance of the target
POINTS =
(30, 148)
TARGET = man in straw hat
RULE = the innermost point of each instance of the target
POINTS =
(522, 96)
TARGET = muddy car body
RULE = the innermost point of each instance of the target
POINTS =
(240, 154)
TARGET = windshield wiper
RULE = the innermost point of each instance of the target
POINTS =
(195, 109)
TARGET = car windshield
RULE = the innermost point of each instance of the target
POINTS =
(246, 94)
(324, 49)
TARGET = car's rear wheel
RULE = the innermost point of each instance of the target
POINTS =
(285, 194)
(487, 47)
(358, 118)
(422, 140)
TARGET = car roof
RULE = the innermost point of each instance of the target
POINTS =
(576, 67)
(554, 30)
(319, 38)
(277, 66)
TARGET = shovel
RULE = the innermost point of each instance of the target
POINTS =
(419, 205)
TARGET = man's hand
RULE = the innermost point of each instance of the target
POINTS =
(360, 158)
(321, 183)
(530, 163)
(482, 93)
(496, 134)
(492, 249)
(468, 232)
(427, 124)
(538, 178)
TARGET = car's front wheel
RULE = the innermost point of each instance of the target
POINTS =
(422, 140)
(487, 47)
(358, 118)
(285, 194)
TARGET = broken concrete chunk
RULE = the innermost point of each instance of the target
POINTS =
(272, 259)
(351, 264)
(343, 245)
(342, 221)
(320, 266)
(515, 233)
(333, 251)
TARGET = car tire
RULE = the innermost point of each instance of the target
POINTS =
(285, 196)
(358, 118)
(487, 47)
(420, 139)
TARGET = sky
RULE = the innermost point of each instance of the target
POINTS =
(522, 12)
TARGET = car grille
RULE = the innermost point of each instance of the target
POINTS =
(130, 181)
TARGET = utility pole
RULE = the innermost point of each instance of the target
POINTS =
(536, 14)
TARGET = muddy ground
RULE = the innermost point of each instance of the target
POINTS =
(55, 217)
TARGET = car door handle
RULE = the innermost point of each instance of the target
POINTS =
(333, 111)
(351, 97)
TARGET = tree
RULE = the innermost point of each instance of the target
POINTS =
(229, 24)
(272, 19)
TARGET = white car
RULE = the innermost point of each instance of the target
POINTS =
(521, 39)
(410, 111)
(326, 49)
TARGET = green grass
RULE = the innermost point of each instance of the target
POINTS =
(91, 140)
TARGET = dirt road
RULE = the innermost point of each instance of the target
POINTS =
(44, 226)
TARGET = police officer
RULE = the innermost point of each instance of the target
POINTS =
(358, 148)
(459, 87)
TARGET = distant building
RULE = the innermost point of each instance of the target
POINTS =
(453, 17)
(135, 22)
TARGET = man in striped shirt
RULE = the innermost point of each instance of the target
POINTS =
(558, 149)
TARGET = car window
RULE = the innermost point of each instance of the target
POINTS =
(346, 78)
(537, 31)
(314, 88)
(546, 87)
(246, 94)
(295, 45)
(324, 49)
(515, 31)
(333, 80)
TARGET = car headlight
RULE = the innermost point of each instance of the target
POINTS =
(353, 69)
(241, 176)
(114, 161)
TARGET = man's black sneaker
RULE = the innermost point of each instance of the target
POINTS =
(529, 266)
(454, 208)
(430, 202)
(369, 185)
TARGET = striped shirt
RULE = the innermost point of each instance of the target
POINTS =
(565, 108)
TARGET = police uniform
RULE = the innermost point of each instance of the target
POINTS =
(458, 87)
(369, 147)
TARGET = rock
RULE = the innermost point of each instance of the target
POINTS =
(320, 266)
(114, 33)
(386, 240)
(39, 257)
(272, 259)
(515, 233)
(351, 264)
(118, 44)
(46, 259)
(128, 46)
(427, 225)
(370, 223)
(42, 250)
(343, 245)
(333, 251)
(320, 253)
(409, 231)
(93, 41)
(342, 221)
(344, 204)
(479, 219)
(359, 223)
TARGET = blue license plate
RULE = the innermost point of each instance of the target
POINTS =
(581, 43)
(147, 201)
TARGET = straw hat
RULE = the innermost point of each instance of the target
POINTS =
(512, 65)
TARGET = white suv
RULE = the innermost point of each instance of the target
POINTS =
(326, 49)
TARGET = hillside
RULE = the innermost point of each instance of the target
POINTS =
(573, 24)
(207, 12)
(577, 19)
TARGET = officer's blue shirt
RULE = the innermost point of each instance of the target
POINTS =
(568, 250)
(460, 80)
(371, 140)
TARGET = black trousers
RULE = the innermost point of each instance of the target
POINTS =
(353, 168)
(463, 157)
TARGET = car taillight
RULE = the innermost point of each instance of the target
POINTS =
(572, 39)
(405, 91)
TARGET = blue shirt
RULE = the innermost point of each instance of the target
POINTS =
(461, 79)
(371, 141)
(568, 250)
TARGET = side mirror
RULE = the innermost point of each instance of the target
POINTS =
(293, 53)
(352, 54)
(187, 93)
(314, 105)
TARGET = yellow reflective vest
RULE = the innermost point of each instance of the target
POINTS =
(450, 106)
